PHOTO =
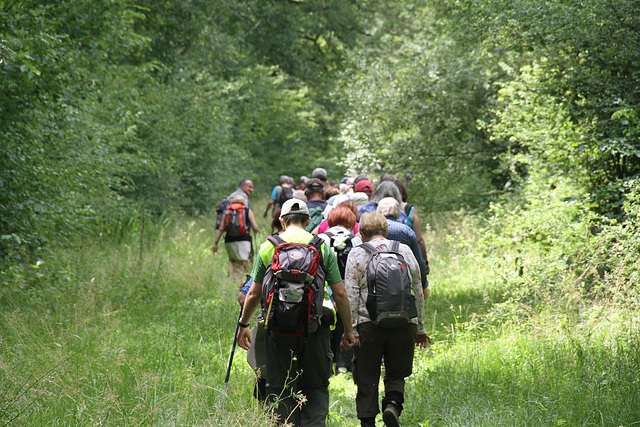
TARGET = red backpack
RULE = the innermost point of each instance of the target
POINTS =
(236, 220)
(293, 287)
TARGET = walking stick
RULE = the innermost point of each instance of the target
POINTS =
(233, 349)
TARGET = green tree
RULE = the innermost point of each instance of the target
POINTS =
(416, 98)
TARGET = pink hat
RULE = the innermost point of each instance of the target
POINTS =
(364, 186)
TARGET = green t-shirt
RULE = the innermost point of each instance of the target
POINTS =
(296, 235)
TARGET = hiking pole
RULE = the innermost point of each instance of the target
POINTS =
(233, 350)
(253, 246)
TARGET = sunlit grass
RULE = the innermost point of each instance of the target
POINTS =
(131, 333)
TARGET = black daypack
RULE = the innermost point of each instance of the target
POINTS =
(341, 243)
(293, 287)
(221, 209)
(286, 193)
(391, 302)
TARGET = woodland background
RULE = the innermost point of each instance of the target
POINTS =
(123, 122)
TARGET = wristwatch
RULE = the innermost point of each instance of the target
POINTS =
(244, 325)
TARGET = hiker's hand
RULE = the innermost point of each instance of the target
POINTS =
(244, 337)
(265, 214)
(214, 249)
(421, 340)
(425, 293)
(348, 341)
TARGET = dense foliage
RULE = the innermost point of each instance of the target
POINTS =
(115, 110)
(113, 107)
(519, 121)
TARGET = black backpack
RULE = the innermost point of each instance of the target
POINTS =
(286, 193)
(391, 302)
(343, 253)
(221, 209)
(293, 287)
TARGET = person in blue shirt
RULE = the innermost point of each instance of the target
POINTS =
(276, 193)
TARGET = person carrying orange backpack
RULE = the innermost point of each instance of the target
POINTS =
(237, 223)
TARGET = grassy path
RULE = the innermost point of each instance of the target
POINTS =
(137, 330)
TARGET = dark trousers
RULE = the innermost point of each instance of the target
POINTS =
(342, 358)
(396, 346)
(299, 365)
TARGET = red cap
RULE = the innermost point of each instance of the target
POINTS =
(364, 186)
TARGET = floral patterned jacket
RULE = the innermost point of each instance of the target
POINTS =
(355, 282)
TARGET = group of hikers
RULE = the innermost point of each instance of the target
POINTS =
(341, 279)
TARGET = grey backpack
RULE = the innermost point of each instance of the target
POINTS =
(391, 302)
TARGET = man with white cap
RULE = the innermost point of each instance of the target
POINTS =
(297, 365)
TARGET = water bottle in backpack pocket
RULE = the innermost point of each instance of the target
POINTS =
(293, 287)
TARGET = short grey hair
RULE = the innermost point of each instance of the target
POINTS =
(319, 173)
(389, 206)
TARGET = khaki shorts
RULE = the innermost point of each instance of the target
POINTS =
(238, 251)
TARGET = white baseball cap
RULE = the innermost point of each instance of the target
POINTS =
(294, 206)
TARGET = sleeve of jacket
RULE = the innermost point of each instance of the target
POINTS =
(416, 285)
(353, 277)
(417, 253)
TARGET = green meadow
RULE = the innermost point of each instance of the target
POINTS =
(136, 328)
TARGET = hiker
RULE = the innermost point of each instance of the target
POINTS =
(384, 189)
(364, 186)
(280, 194)
(340, 237)
(359, 178)
(413, 220)
(245, 188)
(350, 183)
(302, 183)
(315, 202)
(297, 364)
(237, 239)
(375, 342)
(320, 174)
(390, 209)
(324, 225)
(361, 192)
(331, 191)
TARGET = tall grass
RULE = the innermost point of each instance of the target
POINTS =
(117, 335)
(137, 330)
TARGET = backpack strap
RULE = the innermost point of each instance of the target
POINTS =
(275, 239)
(407, 208)
(369, 248)
(317, 242)
(395, 246)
